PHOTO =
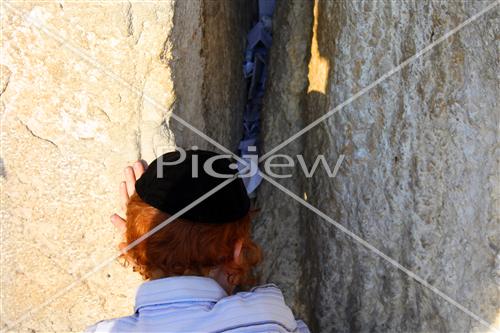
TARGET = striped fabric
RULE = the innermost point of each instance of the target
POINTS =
(199, 304)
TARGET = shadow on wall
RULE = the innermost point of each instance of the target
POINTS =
(320, 70)
(207, 70)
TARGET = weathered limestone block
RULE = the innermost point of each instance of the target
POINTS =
(94, 92)
(278, 226)
(209, 38)
(69, 126)
(419, 180)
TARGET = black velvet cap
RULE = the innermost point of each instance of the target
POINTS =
(178, 186)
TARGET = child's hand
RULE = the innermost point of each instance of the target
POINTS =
(127, 188)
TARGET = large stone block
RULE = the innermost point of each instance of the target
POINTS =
(419, 180)
(86, 89)
(96, 89)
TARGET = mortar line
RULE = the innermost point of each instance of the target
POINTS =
(394, 70)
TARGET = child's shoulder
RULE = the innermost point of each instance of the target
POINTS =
(268, 299)
(259, 297)
(112, 325)
(269, 289)
(268, 286)
(101, 326)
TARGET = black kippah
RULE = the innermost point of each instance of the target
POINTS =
(169, 185)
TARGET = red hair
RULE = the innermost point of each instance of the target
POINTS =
(183, 247)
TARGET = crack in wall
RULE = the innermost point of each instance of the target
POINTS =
(5, 78)
(207, 44)
(33, 134)
(130, 20)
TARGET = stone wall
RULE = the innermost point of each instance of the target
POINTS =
(278, 226)
(419, 180)
(86, 89)
(79, 101)
(208, 40)
(97, 90)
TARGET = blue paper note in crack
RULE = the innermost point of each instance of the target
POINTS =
(266, 7)
(250, 174)
(260, 34)
(259, 40)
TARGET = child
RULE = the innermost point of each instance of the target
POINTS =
(194, 263)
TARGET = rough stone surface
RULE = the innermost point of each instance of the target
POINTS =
(209, 39)
(68, 129)
(420, 176)
(419, 180)
(79, 102)
(278, 227)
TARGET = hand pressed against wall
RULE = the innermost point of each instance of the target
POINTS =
(127, 188)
